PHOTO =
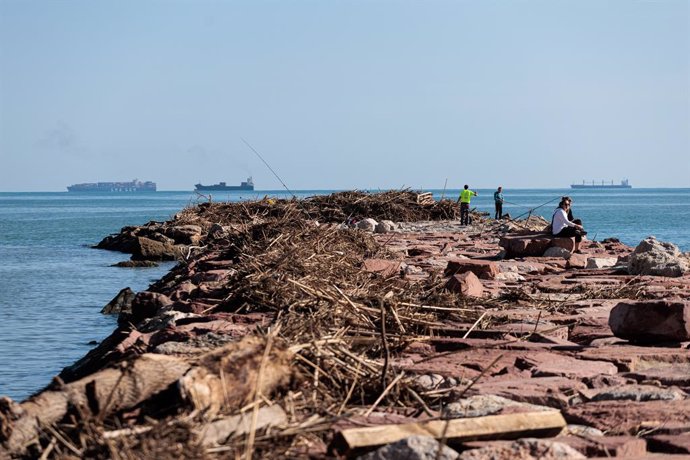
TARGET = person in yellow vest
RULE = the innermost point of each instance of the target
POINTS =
(464, 200)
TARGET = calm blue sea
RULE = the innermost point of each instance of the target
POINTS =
(53, 285)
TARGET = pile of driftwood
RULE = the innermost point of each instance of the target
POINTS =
(281, 390)
(398, 206)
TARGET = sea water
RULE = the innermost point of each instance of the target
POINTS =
(53, 284)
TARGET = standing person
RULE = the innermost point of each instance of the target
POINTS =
(564, 227)
(464, 199)
(498, 202)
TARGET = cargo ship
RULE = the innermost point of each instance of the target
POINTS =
(602, 185)
(133, 186)
(224, 187)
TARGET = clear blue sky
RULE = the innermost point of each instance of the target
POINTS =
(335, 94)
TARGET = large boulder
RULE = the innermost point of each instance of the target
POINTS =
(531, 245)
(654, 257)
(651, 320)
(185, 234)
(561, 242)
(557, 251)
(484, 269)
(148, 249)
(466, 284)
(577, 261)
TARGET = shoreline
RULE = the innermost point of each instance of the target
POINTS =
(358, 310)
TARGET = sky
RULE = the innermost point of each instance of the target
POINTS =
(334, 94)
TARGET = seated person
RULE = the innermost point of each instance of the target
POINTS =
(563, 227)
(570, 210)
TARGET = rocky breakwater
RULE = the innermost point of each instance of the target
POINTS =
(285, 331)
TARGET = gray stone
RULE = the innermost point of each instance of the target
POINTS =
(601, 262)
(638, 393)
(385, 226)
(654, 257)
(413, 270)
(368, 225)
(429, 381)
(582, 431)
(482, 405)
(556, 251)
(510, 276)
(412, 448)
(162, 320)
(523, 449)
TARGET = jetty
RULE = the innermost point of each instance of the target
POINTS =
(374, 326)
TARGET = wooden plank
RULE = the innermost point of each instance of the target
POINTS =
(510, 426)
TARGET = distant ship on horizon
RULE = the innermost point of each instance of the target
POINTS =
(222, 186)
(603, 185)
(133, 186)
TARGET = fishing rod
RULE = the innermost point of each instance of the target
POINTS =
(269, 167)
(299, 202)
(515, 204)
(513, 219)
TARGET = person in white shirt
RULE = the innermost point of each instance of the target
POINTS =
(561, 226)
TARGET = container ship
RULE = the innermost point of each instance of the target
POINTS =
(133, 186)
(222, 186)
(602, 185)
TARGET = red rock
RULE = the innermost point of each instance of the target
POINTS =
(522, 449)
(463, 363)
(183, 291)
(525, 245)
(134, 338)
(554, 284)
(146, 304)
(629, 358)
(211, 275)
(599, 446)
(627, 417)
(383, 267)
(556, 365)
(577, 261)
(544, 391)
(651, 320)
(565, 243)
(466, 284)
(215, 264)
(678, 444)
(676, 374)
(422, 251)
(543, 327)
(484, 269)
(606, 446)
